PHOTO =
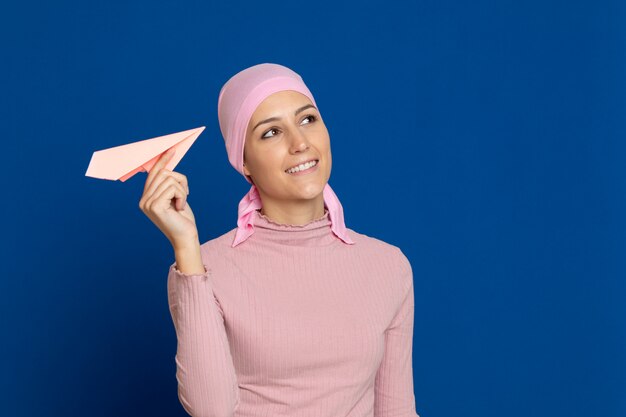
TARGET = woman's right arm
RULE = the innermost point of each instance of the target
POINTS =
(207, 383)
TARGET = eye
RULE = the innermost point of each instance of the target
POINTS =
(267, 137)
(310, 117)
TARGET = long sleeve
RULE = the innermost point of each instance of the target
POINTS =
(394, 396)
(207, 383)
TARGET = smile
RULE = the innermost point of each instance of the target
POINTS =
(304, 168)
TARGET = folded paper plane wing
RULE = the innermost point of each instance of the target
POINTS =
(124, 161)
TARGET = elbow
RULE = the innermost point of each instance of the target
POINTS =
(205, 407)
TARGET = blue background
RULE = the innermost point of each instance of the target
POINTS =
(484, 138)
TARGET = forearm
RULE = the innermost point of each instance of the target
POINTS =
(207, 383)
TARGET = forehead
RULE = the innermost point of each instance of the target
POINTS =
(280, 102)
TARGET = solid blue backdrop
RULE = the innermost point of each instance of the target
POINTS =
(484, 138)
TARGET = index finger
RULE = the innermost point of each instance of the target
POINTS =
(160, 163)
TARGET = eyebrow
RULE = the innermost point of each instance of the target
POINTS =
(274, 119)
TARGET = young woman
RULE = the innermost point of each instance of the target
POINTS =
(290, 313)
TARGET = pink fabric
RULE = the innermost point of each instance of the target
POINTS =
(295, 323)
(238, 99)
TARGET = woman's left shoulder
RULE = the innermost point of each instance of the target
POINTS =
(384, 259)
(378, 248)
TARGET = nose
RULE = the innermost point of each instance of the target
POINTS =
(299, 141)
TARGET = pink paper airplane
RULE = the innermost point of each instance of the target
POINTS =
(124, 161)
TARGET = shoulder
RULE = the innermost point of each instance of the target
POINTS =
(218, 247)
(371, 243)
(388, 253)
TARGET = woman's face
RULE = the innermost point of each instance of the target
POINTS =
(295, 134)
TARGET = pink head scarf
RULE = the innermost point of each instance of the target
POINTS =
(238, 99)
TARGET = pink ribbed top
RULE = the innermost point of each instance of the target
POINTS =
(294, 322)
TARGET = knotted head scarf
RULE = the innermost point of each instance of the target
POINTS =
(238, 99)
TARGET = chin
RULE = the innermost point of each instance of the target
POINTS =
(311, 190)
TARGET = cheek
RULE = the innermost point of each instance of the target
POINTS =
(270, 163)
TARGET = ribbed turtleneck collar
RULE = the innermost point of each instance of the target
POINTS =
(317, 232)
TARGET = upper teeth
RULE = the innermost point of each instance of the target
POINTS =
(302, 167)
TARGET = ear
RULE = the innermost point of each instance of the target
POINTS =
(246, 171)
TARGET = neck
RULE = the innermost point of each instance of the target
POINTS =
(316, 233)
(294, 212)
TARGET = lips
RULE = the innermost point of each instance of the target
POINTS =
(303, 162)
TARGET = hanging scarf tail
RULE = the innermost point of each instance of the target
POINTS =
(252, 201)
